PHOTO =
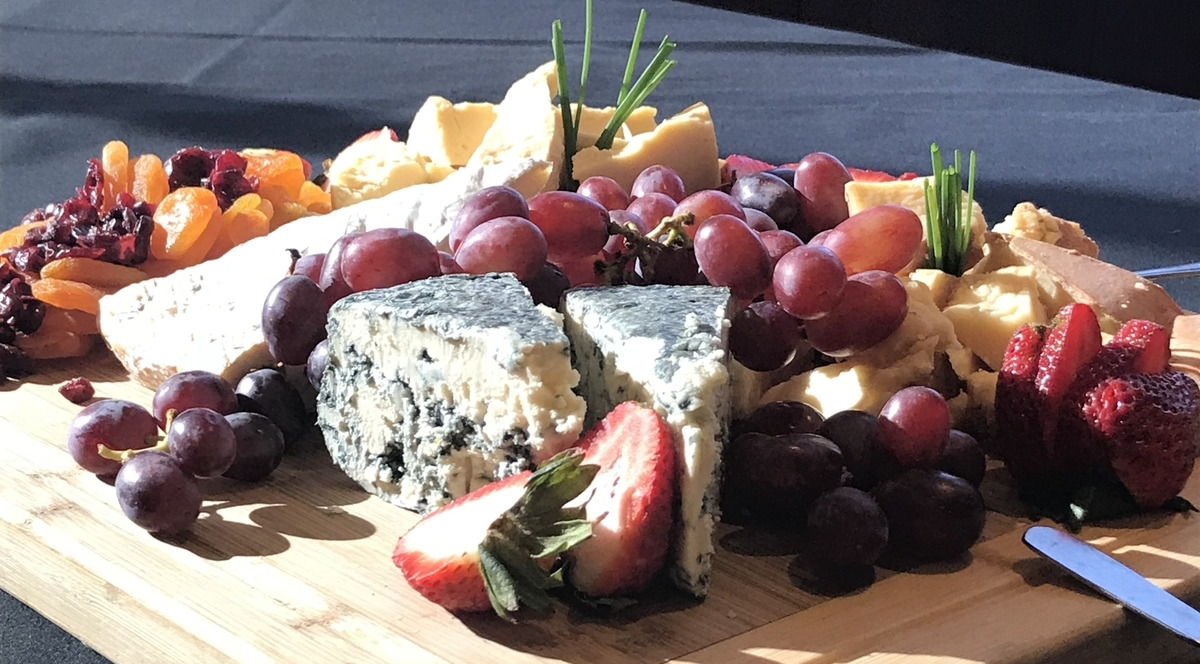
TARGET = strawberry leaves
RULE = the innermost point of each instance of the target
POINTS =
(536, 527)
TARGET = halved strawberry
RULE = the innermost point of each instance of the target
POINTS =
(632, 503)
(1018, 404)
(1070, 344)
(1152, 341)
(1148, 424)
(491, 547)
(739, 165)
(867, 175)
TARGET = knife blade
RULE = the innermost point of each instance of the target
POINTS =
(1115, 580)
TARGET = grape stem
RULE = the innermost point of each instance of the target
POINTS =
(646, 248)
(158, 444)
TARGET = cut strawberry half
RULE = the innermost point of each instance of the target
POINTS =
(739, 165)
(867, 175)
(492, 547)
(1070, 344)
(632, 503)
(1152, 342)
(1018, 404)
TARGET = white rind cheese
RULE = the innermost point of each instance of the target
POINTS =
(437, 387)
(209, 316)
(664, 346)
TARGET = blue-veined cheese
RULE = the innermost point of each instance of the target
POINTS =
(439, 386)
(664, 346)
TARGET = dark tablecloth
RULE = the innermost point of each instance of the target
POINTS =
(311, 76)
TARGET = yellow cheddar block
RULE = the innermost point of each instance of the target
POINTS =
(986, 309)
(685, 142)
(372, 168)
(528, 125)
(450, 133)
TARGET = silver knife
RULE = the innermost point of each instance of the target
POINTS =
(1112, 578)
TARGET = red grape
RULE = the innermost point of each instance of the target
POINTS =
(821, 182)
(202, 441)
(387, 257)
(580, 271)
(331, 282)
(731, 255)
(616, 242)
(293, 319)
(507, 244)
(873, 305)
(778, 243)
(760, 221)
(573, 225)
(447, 264)
(310, 265)
(883, 237)
(605, 191)
(768, 193)
(114, 423)
(485, 205)
(193, 389)
(763, 336)
(707, 203)
(658, 179)
(652, 208)
(808, 282)
(157, 494)
(914, 425)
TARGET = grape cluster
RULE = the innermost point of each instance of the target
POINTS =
(211, 430)
(903, 483)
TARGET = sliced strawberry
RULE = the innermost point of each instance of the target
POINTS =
(867, 175)
(633, 499)
(1070, 344)
(1018, 404)
(491, 547)
(384, 133)
(1148, 423)
(739, 165)
(1152, 341)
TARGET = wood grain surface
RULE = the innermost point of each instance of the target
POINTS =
(297, 568)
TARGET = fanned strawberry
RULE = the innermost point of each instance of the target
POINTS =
(867, 175)
(491, 547)
(1151, 340)
(739, 165)
(1018, 411)
(632, 503)
(1148, 422)
(1070, 344)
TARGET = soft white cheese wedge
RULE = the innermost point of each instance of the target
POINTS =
(437, 387)
(664, 346)
(210, 316)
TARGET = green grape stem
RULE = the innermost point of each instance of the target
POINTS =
(157, 443)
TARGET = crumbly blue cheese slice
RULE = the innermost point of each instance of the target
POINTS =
(439, 386)
(664, 346)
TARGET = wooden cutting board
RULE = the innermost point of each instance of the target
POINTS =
(298, 568)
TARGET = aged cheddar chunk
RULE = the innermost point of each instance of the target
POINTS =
(209, 316)
(527, 125)
(372, 168)
(439, 386)
(664, 346)
(987, 309)
(449, 133)
(686, 142)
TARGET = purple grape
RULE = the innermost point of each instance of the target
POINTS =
(193, 389)
(293, 319)
(260, 447)
(766, 192)
(314, 368)
(115, 423)
(157, 494)
(548, 285)
(203, 442)
(763, 336)
(268, 392)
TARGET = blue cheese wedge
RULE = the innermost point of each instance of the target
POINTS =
(664, 346)
(437, 387)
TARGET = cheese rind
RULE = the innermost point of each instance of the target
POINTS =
(664, 346)
(209, 316)
(439, 386)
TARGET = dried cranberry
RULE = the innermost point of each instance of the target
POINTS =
(77, 390)
(224, 160)
(93, 184)
(187, 167)
(229, 185)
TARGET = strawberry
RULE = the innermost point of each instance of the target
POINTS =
(739, 165)
(867, 175)
(1070, 344)
(1018, 412)
(632, 503)
(1148, 423)
(491, 547)
(1152, 341)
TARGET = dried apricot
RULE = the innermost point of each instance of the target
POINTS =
(276, 168)
(149, 179)
(49, 343)
(314, 198)
(15, 236)
(70, 320)
(92, 271)
(114, 158)
(242, 221)
(180, 220)
(69, 294)
(198, 252)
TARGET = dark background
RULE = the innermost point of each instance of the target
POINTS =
(1153, 45)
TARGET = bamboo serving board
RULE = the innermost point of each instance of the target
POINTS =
(298, 568)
